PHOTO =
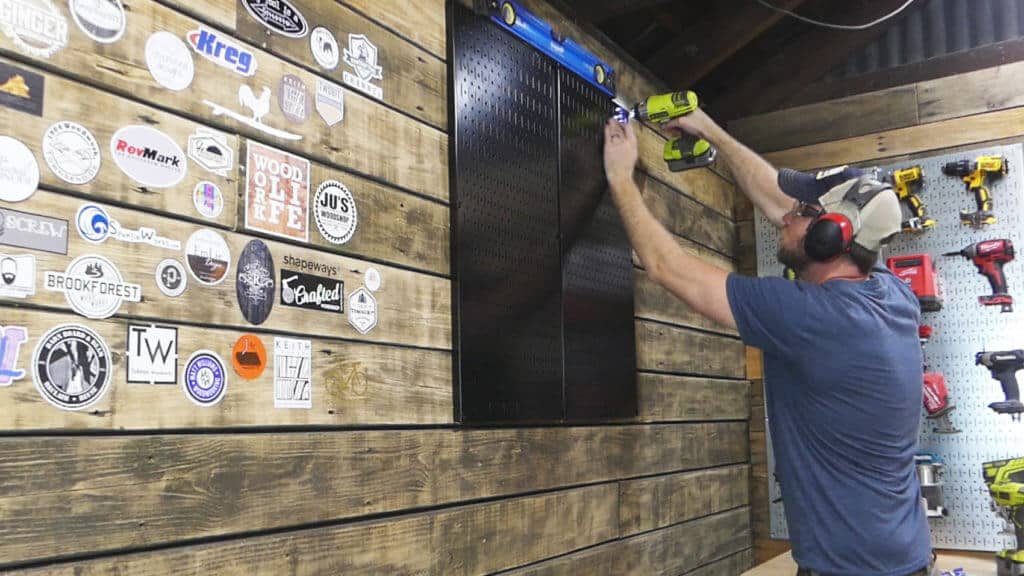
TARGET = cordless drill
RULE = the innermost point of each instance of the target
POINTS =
(1003, 366)
(1005, 482)
(974, 174)
(902, 181)
(681, 153)
(989, 257)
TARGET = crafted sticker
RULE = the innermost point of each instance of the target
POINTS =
(17, 276)
(19, 171)
(71, 367)
(71, 152)
(11, 339)
(93, 286)
(152, 354)
(36, 27)
(277, 192)
(293, 360)
(205, 381)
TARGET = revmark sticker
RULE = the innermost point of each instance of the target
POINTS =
(293, 360)
(71, 367)
(93, 286)
(71, 152)
(148, 156)
(277, 192)
(152, 354)
(17, 276)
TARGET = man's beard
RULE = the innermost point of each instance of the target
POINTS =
(797, 258)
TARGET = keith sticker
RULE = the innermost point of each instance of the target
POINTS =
(277, 192)
(293, 361)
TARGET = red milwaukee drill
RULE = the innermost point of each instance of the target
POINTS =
(989, 257)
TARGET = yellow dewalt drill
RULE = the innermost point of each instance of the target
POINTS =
(680, 153)
(1005, 480)
(974, 174)
(903, 180)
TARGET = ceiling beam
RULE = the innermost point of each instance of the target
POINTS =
(706, 42)
(598, 11)
(804, 60)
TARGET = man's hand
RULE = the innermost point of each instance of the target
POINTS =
(620, 151)
(696, 123)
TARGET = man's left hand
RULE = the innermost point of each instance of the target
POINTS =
(620, 150)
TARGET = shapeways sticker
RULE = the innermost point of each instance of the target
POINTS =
(293, 360)
(71, 152)
(222, 51)
(278, 16)
(93, 286)
(21, 90)
(71, 366)
(148, 156)
(334, 210)
(33, 231)
(254, 282)
(101, 20)
(205, 381)
(152, 354)
(11, 339)
(277, 192)
(208, 256)
(259, 106)
(361, 55)
(17, 276)
(19, 171)
(36, 27)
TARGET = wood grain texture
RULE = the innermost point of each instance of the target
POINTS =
(656, 303)
(413, 308)
(420, 22)
(413, 80)
(689, 219)
(660, 501)
(970, 93)
(664, 398)
(729, 566)
(352, 384)
(746, 247)
(219, 13)
(664, 348)
(466, 541)
(367, 141)
(127, 491)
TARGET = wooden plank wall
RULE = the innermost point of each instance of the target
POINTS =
(375, 478)
(946, 114)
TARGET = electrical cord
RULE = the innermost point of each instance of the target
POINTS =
(771, 6)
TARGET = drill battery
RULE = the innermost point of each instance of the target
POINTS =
(918, 272)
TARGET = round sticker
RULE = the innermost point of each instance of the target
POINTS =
(372, 279)
(171, 278)
(334, 210)
(71, 152)
(205, 379)
(71, 366)
(101, 20)
(93, 286)
(208, 200)
(169, 61)
(19, 171)
(324, 46)
(208, 257)
(148, 156)
(93, 223)
(254, 282)
(249, 357)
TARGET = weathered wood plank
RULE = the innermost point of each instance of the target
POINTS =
(420, 22)
(699, 251)
(413, 80)
(729, 566)
(467, 541)
(127, 491)
(664, 348)
(352, 384)
(219, 13)
(832, 120)
(976, 92)
(656, 303)
(687, 218)
(366, 141)
(412, 308)
(755, 364)
(652, 503)
(746, 247)
(664, 398)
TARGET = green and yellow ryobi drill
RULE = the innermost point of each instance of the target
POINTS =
(680, 153)
(1005, 480)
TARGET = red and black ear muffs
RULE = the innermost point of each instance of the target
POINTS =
(828, 236)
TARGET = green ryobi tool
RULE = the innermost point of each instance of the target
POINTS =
(681, 153)
(1005, 480)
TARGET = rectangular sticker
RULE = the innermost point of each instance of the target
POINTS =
(33, 231)
(293, 361)
(17, 275)
(21, 90)
(276, 192)
(312, 292)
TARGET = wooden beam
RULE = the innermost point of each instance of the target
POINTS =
(806, 59)
(664, 348)
(598, 11)
(707, 42)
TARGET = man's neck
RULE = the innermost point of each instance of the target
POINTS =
(841, 269)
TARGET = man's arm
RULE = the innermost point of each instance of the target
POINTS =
(697, 283)
(758, 179)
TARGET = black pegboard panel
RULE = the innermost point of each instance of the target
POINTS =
(597, 265)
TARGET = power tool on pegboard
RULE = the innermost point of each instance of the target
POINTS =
(1004, 366)
(906, 181)
(1005, 481)
(930, 468)
(989, 257)
(918, 272)
(937, 404)
(974, 175)
(681, 153)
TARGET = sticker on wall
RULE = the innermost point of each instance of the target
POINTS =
(71, 152)
(148, 156)
(152, 354)
(208, 256)
(293, 98)
(19, 171)
(71, 367)
(102, 20)
(312, 292)
(169, 61)
(361, 55)
(324, 46)
(92, 286)
(249, 357)
(210, 149)
(11, 339)
(222, 51)
(297, 262)
(95, 226)
(278, 16)
(33, 231)
(277, 192)
(362, 310)
(17, 276)
(293, 361)
(171, 278)
(372, 279)
(259, 106)
(254, 282)
(208, 200)
(36, 27)
(205, 381)
(21, 90)
(334, 211)
(330, 101)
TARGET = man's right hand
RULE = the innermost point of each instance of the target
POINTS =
(696, 123)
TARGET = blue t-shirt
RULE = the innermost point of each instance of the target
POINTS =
(843, 385)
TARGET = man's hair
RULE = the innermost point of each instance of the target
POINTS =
(864, 259)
